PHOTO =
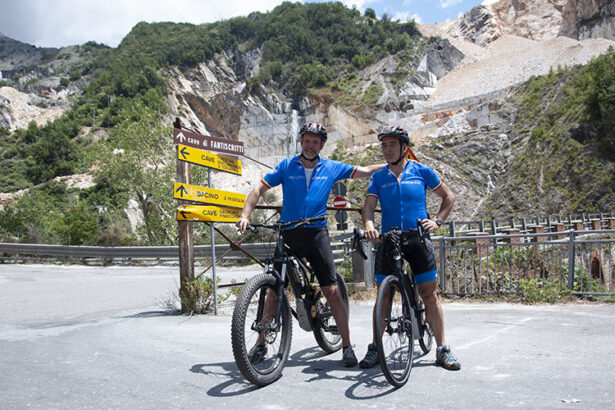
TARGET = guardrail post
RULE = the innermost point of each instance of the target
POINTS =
(571, 259)
(363, 269)
(441, 244)
(452, 228)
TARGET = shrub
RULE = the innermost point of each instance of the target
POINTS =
(197, 295)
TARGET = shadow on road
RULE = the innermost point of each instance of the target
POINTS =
(367, 383)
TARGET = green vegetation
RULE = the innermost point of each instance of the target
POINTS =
(197, 295)
(132, 163)
(567, 119)
(136, 162)
(356, 188)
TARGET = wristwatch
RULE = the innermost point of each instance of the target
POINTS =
(439, 222)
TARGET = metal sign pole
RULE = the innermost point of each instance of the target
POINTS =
(213, 252)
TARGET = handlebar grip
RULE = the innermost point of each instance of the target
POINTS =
(357, 242)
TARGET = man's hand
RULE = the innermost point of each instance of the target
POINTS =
(429, 225)
(372, 234)
(242, 223)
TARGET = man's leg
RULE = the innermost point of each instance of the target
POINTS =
(433, 309)
(338, 308)
(435, 318)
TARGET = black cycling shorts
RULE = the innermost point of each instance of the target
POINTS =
(314, 245)
(420, 257)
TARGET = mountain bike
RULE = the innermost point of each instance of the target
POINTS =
(399, 313)
(261, 328)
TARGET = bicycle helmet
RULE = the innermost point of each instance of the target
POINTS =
(314, 128)
(394, 131)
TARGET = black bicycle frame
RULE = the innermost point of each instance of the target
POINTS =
(282, 255)
(408, 286)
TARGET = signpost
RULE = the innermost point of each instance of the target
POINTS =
(339, 202)
(206, 195)
(194, 140)
(339, 188)
(341, 217)
(193, 148)
(205, 213)
(208, 159)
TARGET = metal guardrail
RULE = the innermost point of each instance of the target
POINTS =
(258, 250)
(524, 224)
(580, 261)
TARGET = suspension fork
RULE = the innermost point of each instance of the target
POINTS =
(280, 301)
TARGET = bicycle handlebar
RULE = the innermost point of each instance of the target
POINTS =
(359, 236)
(279, 225)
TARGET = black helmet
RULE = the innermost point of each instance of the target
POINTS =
(394, 131)
(314, 128)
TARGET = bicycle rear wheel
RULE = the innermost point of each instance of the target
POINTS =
(426, 339)
(252, 319)
(393, 327)
(326, 332)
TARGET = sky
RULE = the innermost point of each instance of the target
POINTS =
(59, 23)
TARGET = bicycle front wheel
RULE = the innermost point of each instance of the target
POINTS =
(260, 345)
(326, 332)
(393, 327)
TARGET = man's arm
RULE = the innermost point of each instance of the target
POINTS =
(364, 172)
(248, 206)
(367, 214)
(448, 199)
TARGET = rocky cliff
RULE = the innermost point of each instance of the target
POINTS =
(453, 88)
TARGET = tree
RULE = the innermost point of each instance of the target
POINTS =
(139, 156)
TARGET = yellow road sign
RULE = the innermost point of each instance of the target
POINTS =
(208, 159)
(208, 195)
(207, 213)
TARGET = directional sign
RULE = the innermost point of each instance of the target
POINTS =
(194, 140)
(209, 160)
(207, 213)
(339, 202)
(208, 195)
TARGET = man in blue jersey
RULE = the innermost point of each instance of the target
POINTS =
(306, 182)
(401, 189)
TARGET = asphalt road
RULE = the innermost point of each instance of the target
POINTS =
(94, 337)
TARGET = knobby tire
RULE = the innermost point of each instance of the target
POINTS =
(244, 337)
(426, 340)
(329, 341)
(395, 344)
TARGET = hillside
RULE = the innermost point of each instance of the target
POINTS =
(455, 87)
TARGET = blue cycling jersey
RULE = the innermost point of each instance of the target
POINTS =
(403, 201)
(299, 201)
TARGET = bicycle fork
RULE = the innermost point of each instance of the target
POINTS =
(262, 300)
